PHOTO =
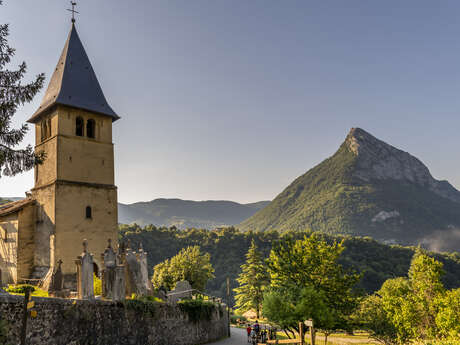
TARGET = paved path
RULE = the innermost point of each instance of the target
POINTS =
(238, 338)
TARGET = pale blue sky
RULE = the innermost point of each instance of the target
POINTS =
(234, 99)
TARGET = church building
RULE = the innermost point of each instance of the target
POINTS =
(74, 196)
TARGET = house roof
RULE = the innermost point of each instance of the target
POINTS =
(74, 82)
(15, 206)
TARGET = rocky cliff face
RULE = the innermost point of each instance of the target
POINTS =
(379, 160)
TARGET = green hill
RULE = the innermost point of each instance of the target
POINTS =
(228, 247)
(367, 188)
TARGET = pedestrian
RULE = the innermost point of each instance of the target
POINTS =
(248, 330)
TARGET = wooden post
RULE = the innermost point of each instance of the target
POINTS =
(24, 317)
(228, 305)
(301, 333)
(309, 323)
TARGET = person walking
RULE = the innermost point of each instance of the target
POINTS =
(248, 330)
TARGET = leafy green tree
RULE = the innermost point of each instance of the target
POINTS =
(252, 282)
(372, 316)
(13, 94)
(448, 316)
(425, 280)
(398, 305)
(313, 263)
(189, 264)
(417, 308)
(288, 306)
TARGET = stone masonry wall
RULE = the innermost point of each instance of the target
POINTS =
(69, 322)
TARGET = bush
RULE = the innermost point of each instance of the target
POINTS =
(196, 309)
(21, 290)
(234, 319)
(141, 305)
(97, 283)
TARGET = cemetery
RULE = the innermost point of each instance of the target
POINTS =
(127, 312)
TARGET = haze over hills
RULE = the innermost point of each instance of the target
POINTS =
(182, 213)
(368, 188)
(186, 213)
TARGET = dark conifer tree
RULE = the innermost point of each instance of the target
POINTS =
(13, 94)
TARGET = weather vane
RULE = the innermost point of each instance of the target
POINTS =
(73, 10)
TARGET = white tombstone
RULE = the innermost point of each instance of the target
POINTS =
(85, 271)
(142, 258)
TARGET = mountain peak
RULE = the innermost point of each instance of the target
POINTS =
(359, 141)
(377, 160)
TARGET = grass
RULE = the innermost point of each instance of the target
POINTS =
(340, 338)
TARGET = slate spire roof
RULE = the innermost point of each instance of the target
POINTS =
(74, 82)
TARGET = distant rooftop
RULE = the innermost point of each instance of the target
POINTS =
(74, 82)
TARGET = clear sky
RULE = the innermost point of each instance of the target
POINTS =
(234, 99)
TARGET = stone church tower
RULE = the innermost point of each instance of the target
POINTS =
(74, 196)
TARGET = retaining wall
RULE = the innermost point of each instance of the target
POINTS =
(76, 322)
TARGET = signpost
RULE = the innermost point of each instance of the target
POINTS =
(28, 304)
(309, 323)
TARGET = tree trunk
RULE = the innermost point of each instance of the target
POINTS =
(325, 338)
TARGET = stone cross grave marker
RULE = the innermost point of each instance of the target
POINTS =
(57, 279)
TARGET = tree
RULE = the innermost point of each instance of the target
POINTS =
(372, 316)
(425, 279)
(313, 263)
(13, 94)
(287, 306)
(189, 264)
(416, 308)
(253, 279)
(448, 317)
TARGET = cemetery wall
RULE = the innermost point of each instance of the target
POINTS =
(83, 322)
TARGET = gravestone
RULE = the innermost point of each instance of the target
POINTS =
(134, 281)
(142, 258)
(183, 289)
(85, 284)
(56, 282)
(119, 286)
(109, 264)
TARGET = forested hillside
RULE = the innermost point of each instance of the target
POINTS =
(187, 213)
(228, 247)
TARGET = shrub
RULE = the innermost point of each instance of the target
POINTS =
(21, 290)
(235, 318)
(97, 283)
(196, 309)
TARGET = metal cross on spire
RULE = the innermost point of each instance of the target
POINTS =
(73, 10)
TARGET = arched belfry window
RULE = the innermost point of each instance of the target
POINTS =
(42, 127)
(89, 212)
(49, 128)
(44, 130)
(90, 128)
(79, 124)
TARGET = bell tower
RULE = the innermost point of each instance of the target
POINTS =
(74, 187)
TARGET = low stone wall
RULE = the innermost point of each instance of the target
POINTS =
(77, 322)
